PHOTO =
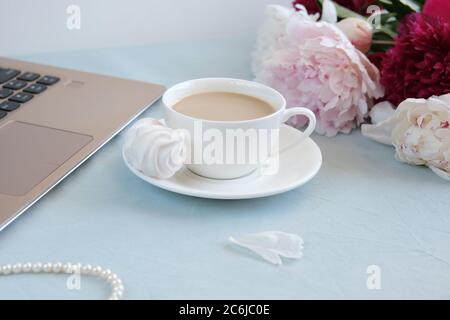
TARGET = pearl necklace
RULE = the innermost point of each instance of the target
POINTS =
(68, 268)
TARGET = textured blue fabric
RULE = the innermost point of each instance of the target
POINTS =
(363, 208)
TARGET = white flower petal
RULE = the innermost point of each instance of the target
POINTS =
(443, 134)
(329, 13)
(270, 245)
(380, 132)
(445, 98)
(441, 173)
(381, 111)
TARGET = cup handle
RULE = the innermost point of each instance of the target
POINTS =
(288, 113)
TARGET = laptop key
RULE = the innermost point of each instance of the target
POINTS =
(48, 80)
(8, 74)
(21, 97)
(29, 76)
(3, 114)
(5, 93)
(35, 88)
(9, 106)
(15, 84)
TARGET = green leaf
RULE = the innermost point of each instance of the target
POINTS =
(413, 4)
(343, 12)
(382, 37)
(401, 8)
(387, 31)
(386, 4)
(420, 3)
(379, 48)
(386, 16)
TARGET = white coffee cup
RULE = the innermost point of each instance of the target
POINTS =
(199, 129)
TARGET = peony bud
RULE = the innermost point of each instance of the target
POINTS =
(358, 31)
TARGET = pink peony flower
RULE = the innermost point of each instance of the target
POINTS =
(314, 65)
(418, 66)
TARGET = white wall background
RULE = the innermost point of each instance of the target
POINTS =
(30, 26)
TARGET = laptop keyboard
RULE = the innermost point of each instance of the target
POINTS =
(17, 88)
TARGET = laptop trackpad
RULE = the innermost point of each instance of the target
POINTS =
(30, 153)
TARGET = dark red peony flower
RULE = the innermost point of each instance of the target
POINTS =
(359, 6)
(311, 5)
(418, 66)
(377, 58)
(439, 8)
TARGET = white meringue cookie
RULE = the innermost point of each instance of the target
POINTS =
(154, 149)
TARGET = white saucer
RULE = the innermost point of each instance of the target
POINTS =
(297, 166)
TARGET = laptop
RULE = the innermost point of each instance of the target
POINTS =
(51, 120)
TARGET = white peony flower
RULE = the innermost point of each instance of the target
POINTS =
(420, 132)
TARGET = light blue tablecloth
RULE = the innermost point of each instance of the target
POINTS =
(364, 208)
